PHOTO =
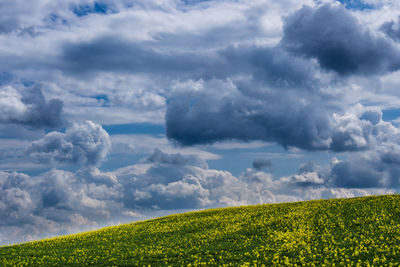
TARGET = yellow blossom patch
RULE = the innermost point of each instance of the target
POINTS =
(338, 232)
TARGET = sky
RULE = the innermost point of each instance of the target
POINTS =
(118, 111)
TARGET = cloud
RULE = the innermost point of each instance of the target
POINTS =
(391, 29)
(60, 202)
(115, 54)
(259, 187)
(8, 21)
(375, 168)
(378, 167)
(158, 157)
(158, 184)
(217, 110)
(352, 174)
(272, 66)
(333, 36)
(85, 143)
(28, 107)
(15, 201)
(174, 181)
(56, 202)
(261, 164)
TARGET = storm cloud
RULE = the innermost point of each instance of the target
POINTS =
(218, 110)
(286, 100)
(338, 41)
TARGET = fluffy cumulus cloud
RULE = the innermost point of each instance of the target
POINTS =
(56, 202)
(86, 143)
(59, 202)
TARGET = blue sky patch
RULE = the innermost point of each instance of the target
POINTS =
(135, 128)
(5, 78)
(390, 114)
(96, 8)
(355, 4)
(27, 83)
(121, 160)
(193, 2)
(103, 99)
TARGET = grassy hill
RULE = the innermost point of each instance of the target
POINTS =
(342, 231)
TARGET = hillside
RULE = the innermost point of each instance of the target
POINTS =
(342, 231)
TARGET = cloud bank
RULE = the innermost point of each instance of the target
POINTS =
(59, 202)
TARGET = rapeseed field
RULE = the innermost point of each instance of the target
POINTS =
(338, 232)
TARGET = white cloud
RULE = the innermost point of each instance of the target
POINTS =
(60, 202)
(145, 144)
(87, 143)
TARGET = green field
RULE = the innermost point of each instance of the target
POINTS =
(364, 231)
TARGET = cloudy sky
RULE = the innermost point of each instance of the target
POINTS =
(116, 111)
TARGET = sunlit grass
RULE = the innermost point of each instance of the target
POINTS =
(363, 231)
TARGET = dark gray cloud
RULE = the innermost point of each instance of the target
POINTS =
(220, 111)
(378, 167)
(356, 174)
(115, 54)
(303, 115)
(375, 168)
(262, 164)
(158, 157)
(8, 20)
(365, 170)
(29, 107)
(86, 143)
(333, 36)
(8, 24)
(392, 29)
(271, 65)
(42, 113)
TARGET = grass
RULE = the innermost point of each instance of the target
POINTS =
(363, 231)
